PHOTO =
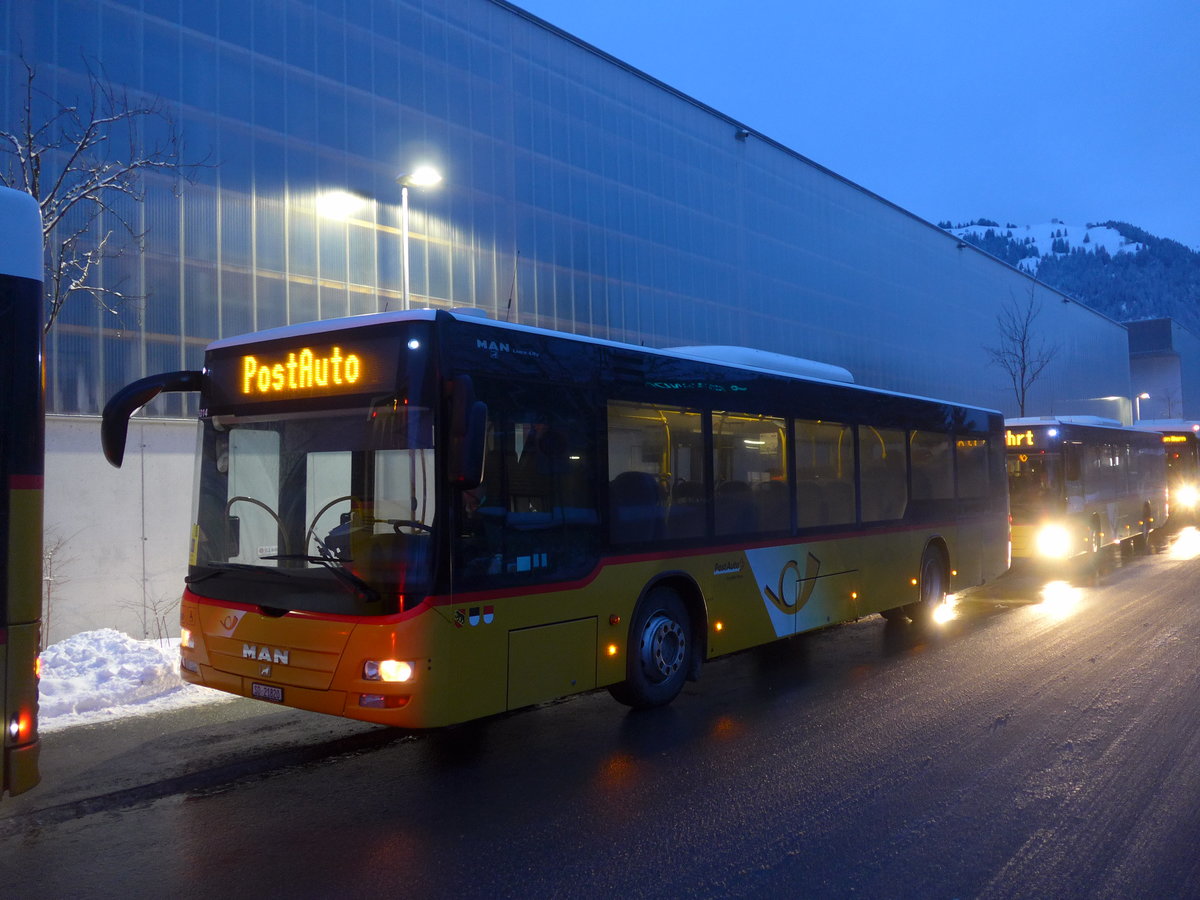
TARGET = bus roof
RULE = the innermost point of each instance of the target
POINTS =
(1089, 421)
(735, 357)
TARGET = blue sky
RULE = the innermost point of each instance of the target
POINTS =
(1017, 111)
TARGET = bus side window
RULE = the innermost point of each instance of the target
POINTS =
(750, 465)
(1071, 454)
(884, 473)
(932, 458)
(666, 444)
(825, 492)
(972, 467)
(535, 514)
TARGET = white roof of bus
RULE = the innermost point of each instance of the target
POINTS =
(21, 248)
(835, 375)
(1092, 421)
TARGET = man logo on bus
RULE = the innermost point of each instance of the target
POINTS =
(265, 654)
(494, 348)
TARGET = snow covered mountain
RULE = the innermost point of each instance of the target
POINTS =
(1030, 244)
(1114, 267)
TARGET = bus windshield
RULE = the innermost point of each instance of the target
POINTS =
(1035, 481)
(325, 512)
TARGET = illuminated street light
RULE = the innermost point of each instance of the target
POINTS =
(421, 176)
(1137, 406)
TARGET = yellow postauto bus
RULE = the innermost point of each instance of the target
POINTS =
(419, 518)
(1181, 443)
(1078, 484)
(22, 434)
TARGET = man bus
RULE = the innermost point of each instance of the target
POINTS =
(420, 518)
(1079, 484)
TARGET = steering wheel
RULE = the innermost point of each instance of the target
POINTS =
(310, 534)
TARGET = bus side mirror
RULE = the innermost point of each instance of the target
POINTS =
(467, 435)
(114, 427)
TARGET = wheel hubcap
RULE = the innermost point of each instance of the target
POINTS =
(663, 646)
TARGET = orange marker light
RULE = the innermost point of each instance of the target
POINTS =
(613, 649)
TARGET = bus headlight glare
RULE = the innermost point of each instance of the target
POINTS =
(397, 671)
(1187, 496)
(1054, 541)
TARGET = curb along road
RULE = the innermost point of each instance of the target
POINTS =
(112, 765)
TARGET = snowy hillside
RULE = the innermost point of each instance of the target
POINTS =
(1115, 268)
(1038, 242)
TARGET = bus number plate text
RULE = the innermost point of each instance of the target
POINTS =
(266, 692)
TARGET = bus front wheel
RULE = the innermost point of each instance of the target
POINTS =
(660, 651)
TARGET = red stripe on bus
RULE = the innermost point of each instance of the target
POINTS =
(480, 596)
(26, 482)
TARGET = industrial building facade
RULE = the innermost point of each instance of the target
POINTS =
(578, 194)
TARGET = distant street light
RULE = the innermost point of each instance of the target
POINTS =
(1137, 406)
(421, 176)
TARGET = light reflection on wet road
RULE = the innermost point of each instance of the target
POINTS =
(1041, 742)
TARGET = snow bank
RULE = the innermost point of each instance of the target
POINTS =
(103, 675)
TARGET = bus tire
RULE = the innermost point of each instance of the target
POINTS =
(933, 585)
(661, 645)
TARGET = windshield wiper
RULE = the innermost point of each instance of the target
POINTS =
(226, 567)
(333, 565)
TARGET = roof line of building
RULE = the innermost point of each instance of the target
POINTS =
(783, 148)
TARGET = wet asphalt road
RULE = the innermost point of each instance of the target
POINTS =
(1024, 749)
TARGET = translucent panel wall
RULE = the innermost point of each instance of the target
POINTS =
(579, 194)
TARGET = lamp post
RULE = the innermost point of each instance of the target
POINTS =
(421, 176)
(1137, 406)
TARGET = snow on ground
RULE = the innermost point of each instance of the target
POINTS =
(99, 676)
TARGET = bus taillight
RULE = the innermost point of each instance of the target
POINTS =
(20, 727)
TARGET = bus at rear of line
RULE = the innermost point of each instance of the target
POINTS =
(1181, 444)
(21, 472)
(420, 518)
(1080, 484)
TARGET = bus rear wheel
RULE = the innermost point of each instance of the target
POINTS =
(660, 651)
(933, 586)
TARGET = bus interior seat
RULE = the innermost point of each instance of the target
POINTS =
(735, 508)
(774, 507)
(636, 509)
(839, 502)
(688, 507)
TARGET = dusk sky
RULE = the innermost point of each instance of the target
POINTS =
(1018, 111)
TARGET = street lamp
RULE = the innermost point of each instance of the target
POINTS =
(421, 176)
(1137, 406)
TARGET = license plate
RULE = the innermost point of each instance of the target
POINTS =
(266, 692)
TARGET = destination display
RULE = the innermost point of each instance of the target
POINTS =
(306, 368)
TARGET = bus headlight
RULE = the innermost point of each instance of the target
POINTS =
(1053, 541)
(394, 670)
(1186, 496)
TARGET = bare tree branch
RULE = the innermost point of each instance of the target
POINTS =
(70, 162)
(1022, 353)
